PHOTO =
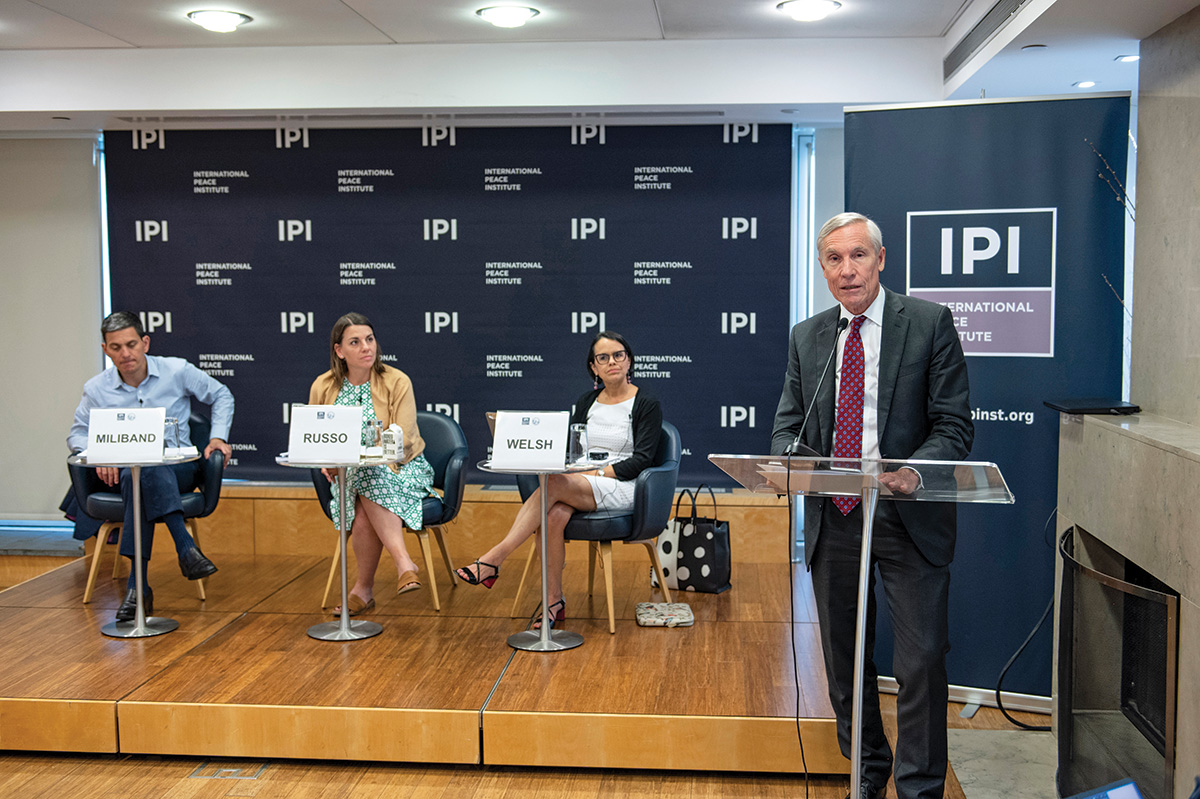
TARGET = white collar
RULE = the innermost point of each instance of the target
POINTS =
(874, 312)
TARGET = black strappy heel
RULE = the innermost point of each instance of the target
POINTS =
(472, 578)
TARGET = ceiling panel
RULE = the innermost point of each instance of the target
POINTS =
(25, 26)
(759, 19)
(276, 22)
(421, 21)
(1082, 38)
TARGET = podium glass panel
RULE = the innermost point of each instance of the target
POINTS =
(941, 481)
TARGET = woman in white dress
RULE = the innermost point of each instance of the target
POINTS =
(620, 418)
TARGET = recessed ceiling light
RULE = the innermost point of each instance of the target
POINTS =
(1034, 47)
(508, 16)
(218, 21)
(1084, 84)
(1127, 59)
(808, 10)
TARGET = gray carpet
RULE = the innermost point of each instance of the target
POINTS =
(1004, 764)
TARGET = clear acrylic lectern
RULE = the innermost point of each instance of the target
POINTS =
(941, 481)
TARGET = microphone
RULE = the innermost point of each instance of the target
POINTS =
(797, 447)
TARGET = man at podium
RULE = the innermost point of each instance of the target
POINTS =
(897, 388)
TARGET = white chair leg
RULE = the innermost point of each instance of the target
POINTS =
(97, 552)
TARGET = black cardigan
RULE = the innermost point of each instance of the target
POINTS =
(647, 427)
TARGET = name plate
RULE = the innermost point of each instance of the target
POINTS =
(325, 434)
(530, 440)
(126, 435)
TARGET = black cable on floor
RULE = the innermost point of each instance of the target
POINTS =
(792, 616)
(1017, 654)
(1008, 665)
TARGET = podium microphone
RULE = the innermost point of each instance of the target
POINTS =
(797, 447)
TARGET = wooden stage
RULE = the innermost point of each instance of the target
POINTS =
(241, 679)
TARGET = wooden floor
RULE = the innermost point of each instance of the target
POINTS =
(240, 679)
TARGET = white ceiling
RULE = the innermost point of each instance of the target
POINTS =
(55, 24)
(100, 62)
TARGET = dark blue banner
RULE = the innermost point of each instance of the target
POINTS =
(997, 210)
(487, 258)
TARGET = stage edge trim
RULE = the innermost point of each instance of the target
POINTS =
(641, 741)
(288, 731)
(58, 725)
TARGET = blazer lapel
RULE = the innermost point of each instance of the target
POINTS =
(891, 348)
(823, 344)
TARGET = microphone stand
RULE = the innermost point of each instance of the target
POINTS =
(843, 323)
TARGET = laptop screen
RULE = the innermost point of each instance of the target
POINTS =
(1123, 789)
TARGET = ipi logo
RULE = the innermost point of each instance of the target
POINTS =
(144, 137)
(153, 320)
(582, 134)
(732, 322)
(447, 409)
(430, 136)
(733, 415)
(296, 321)
(286, 137)
(583, 321)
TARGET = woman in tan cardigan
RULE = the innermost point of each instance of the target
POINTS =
(383, 499)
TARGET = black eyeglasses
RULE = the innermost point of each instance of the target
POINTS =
(617, 357)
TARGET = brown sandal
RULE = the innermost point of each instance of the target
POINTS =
(356, 606)
(408, 582)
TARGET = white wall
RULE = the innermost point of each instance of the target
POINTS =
(50, 304)
(829, 200)
(559, 76)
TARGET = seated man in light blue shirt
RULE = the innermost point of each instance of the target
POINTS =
(138, 380)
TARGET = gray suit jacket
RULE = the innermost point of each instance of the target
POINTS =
(924, 407)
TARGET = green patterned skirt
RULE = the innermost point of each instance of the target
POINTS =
(400, 492)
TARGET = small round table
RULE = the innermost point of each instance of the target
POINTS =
(142, 626)
(545, 639)
(343, 629)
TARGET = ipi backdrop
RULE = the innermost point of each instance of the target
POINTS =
(487, 259)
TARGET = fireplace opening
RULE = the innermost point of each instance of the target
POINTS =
(1116, 671)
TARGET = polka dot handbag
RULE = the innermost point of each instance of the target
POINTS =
(694, 550)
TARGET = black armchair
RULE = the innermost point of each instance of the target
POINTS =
(100, 502)
(654, 493)
(446, 451)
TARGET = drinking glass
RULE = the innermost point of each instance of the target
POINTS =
(577, 445)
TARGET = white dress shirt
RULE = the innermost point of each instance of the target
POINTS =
(170, 383)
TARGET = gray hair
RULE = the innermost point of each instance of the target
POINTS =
(119, 320)
(850, 218)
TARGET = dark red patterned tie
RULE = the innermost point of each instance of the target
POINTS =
(850, 405)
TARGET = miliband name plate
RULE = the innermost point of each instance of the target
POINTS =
(532, 440)
(126, 435)
(325, 434)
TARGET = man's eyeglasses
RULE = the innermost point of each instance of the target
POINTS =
(617, 357)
